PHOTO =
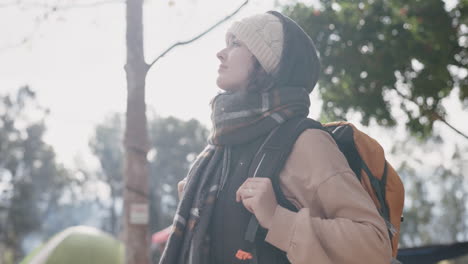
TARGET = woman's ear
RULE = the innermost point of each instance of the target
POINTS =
(259, 79)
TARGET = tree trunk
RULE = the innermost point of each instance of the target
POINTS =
(136, 236)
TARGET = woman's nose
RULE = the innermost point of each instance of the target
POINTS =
(221, 55)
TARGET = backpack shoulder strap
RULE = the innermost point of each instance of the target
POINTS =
(271, 157)
(273, 153)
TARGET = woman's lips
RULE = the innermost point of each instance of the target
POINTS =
(221, 67)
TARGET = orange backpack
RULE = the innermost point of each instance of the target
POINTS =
(366, 157)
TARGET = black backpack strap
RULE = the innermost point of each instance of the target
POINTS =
(270, 159)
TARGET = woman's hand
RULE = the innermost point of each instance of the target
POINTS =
(258, 197)
(180, 187)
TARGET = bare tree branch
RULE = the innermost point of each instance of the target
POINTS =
(435, 115)
(197, 37)
(441, 119)
(39, 21)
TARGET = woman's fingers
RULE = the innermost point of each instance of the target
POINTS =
(244, 192)
(248, 204)
(258, 197)
(250, 186)
(240, 192)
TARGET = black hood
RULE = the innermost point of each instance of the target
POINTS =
(299, 64)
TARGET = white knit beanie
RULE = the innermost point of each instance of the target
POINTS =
(263, 36)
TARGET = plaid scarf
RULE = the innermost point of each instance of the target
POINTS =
(237, 118)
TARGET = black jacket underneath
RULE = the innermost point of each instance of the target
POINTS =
(230, 218)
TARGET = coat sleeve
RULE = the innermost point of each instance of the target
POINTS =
(337, 221)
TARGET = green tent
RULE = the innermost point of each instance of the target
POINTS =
(78, 245)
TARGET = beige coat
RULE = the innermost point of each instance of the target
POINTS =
(337, 221)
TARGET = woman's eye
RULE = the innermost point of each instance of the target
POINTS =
(233, 43)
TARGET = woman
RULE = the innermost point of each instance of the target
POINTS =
(267, 71)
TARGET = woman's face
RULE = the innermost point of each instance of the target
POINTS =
(237, 63)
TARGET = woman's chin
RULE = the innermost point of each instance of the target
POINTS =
(221, 85)
(228, 87)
